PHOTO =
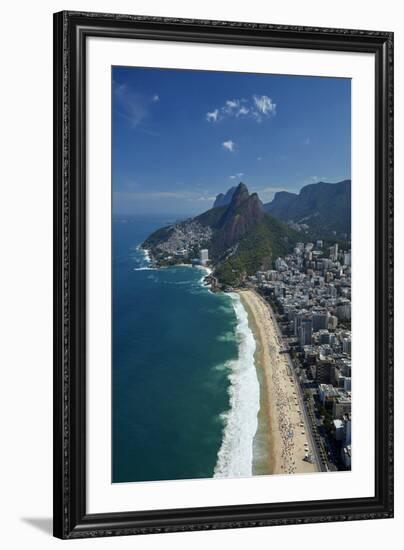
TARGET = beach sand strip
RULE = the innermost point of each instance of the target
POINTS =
(288, 442)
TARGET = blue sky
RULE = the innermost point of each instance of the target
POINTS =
(181, 137)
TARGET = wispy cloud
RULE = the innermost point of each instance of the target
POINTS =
(306, 141)
(203, 198)
(186, 201)
(314, 179)
(213, 116)
(257, 108)
(133, 106)
(264, 107)
(229, 145)
(243, 111)
(236, 176)
(159, 195)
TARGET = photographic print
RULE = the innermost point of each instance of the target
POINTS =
(231, 274)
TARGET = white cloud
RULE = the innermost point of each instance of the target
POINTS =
(257, 108)
(314, 179)
(232, 104)
(203, 199)
(306, 141)
(133, 106)
(229, 145)
(264, 106)
(236, 176)
(242, 111)
(213, 116)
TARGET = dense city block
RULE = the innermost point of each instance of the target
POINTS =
(310, 293)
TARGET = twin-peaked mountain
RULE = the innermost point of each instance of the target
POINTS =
(239, 217)
(240, 236)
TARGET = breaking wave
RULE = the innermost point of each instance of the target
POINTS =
(235, 456)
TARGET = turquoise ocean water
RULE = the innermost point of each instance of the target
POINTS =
(185, 391)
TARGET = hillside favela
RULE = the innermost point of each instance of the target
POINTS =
(290, 262)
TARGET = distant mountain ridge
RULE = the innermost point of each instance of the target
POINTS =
(325, 208)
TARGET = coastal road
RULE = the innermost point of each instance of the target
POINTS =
(308, 422)
(309, 426)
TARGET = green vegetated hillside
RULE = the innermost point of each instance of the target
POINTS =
(257, 250)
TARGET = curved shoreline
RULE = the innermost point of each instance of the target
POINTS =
(280, 416)
(279, 442)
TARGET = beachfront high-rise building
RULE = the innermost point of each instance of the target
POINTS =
(342, 405)
(297, 319)
(320, 319)
(204, 256)
(324, 369)
(306, 331)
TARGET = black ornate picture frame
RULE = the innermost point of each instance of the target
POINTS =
(71, 30)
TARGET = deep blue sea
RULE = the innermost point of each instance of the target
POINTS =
(185, 391)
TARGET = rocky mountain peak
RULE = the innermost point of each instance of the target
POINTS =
(242, 214)
(240, 195)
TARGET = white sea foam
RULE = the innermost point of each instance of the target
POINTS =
(145, 261)
(206, 271)
(235, 456)
(226, 337)
(146, 254)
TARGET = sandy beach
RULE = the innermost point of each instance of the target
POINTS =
(281, 414)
